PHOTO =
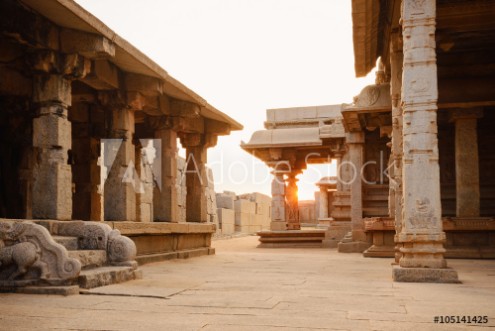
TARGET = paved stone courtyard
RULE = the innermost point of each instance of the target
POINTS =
(244, 288)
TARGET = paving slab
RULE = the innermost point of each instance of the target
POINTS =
(247, 288)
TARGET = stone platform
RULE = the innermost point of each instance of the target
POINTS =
(159, 241)
(291, 238)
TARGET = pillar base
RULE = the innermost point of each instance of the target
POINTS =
(424, 275)
(278, 226)
(353, 247)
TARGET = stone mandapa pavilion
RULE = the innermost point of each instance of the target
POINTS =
(420, 140)
(79, 107)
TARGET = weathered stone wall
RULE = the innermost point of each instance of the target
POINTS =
(307, 212)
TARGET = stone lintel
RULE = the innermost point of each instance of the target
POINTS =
(147, 85)
(425, 275)
(104, 75)
(184, 109)
(216, 127)
(189, 125)
(465, 113)
(88, 44)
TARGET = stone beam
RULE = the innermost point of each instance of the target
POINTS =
(104, 75)
(217, 127)
(90, 45)
(146, 85)
(189, 125)
(147, 104)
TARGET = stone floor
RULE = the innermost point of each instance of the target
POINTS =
(248, 288)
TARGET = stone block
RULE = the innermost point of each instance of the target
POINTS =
(243, 218)
(263, 208)
(51, 131)
(52, 88)
(228, 228)
(425, 275)
(225, 201)
(244, 206)
(226, 216)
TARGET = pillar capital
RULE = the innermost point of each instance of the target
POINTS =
(465, 113)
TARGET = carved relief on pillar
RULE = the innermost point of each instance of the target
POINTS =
(421, 232)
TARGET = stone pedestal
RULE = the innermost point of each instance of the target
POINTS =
(165, 204)
(52, 175)
(467, 161)
(421, 229)
(120, 185)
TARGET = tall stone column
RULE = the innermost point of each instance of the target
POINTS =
(52, 175)
(355, 242)
(396, 62)
(292, 202)
(467, 161)
(165, 204)
(97, 206)
(421, 232)
(323, 202)
(196, 178)
(278, 202)
(120, 185)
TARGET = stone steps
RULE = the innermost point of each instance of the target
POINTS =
(106, 276)
(70, 243)
(90, 258)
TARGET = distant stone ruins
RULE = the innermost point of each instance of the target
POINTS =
(414, 151)
(89, 130)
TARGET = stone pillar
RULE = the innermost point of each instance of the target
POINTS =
(292, 202)
(467, 161)
(421, 232)
(196, 178)
(338, 158)
(396, 59)
(52, 175)
(144, 188)
(356, 241)
(278, 202)
(97, 208)
(120, 185)
(165, 204)
(323, 202)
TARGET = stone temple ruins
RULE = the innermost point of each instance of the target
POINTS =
(414, 151)
(89, 131)
(91, 184)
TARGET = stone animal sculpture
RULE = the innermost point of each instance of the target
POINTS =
(24, 255)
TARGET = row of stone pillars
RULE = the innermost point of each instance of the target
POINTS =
(51, 194)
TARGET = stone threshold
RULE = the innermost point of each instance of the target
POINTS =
(159, 228)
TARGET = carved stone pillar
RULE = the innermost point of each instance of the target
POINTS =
(52, 174)
(421, 232)
(120, 185)
(292, 202)
(396, 59)
(467, 161)
(165, 202)
(323, 202)
(278, 202)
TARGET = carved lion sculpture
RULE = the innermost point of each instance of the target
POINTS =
(25, 255)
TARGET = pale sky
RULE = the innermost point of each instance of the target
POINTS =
(243, 57)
